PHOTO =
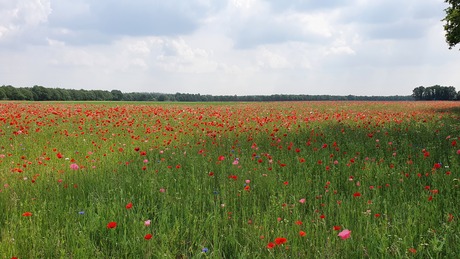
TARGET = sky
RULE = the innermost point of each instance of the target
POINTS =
(227, 47)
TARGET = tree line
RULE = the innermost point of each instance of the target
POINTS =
(436, 92)
(41, 93)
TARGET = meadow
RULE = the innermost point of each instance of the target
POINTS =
(236, 180)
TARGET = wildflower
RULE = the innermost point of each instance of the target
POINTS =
(147, 222)
(302, 233)
(345, 234)
(303, 200)
(451, 217)
(412, 250)
(221, 158)
(356, 194)
(299, 222)
(27, 214)
(234, 177)
(129, 206)
(112, 224)
(81, 212)
(148, 236)
(337, 228)
(204, 250)
(162, 190)
(74, 166)
(280, 240)
(271, 245)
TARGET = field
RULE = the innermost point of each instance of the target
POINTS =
(238, 180)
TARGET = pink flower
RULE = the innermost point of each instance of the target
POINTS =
(235, 162)
(146, 161)
(302, 200)
(162, 190)
(147, 223)
(247, 181)
(74, 166)
(345, 234)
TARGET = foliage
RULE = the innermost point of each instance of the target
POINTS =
(452, 23)
(40, 93)
(435, 92)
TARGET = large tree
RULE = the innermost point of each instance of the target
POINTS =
(452, 25)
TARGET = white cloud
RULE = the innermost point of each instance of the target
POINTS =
(227, 47)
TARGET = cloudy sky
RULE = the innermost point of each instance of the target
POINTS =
(243, 47)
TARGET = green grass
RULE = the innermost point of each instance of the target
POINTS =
(362, 166)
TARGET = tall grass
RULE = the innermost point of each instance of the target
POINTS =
(225, 181)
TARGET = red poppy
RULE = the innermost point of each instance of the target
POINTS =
(221, 158)
(280, 240)
(302, 233)
(27, 214)
(148, 236)
(270, 245)
(451, 217)
(356, 194)
(112, 224)
(59, 155)
(234, 177)
(298, 222)
(337, 228)
(129, 205)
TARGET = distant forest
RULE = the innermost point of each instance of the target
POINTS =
(41, 93)
(436, 92)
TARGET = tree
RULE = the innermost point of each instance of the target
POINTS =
(2, 94)
(417, 93)
(452, 25)
(117, 95)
